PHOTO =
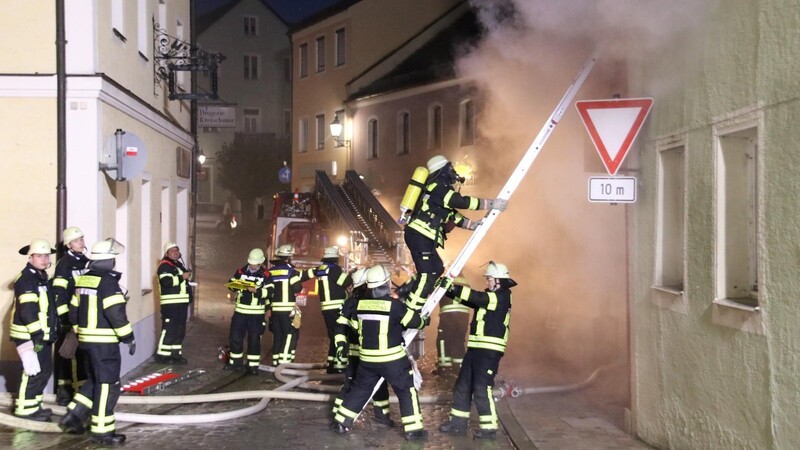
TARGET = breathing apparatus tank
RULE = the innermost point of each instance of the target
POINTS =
(414, 189)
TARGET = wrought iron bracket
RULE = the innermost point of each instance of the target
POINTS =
(172, 55)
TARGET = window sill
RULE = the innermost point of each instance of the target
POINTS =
(732, 313)
(118, 34)
(731, 303)
(144, 57)
(146, 292)
(671, 298)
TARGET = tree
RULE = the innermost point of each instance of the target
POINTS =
(248, 166)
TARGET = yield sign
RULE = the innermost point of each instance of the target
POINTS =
(613, 126)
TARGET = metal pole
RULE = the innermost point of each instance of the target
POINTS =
(61, 119)
(195, 147)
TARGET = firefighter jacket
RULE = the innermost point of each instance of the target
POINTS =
(252, 302)
(171, 285)
(34, 312)
(97, 310)
(380, 323)
(447, 305)
(489, 327)
(69, 267)
(332, 283)
(287, 284)
(346, 330)
(437, 207)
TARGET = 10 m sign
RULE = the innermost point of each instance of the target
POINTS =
(612, 189)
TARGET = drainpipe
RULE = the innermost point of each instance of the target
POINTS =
(195, 148)
(61, 108)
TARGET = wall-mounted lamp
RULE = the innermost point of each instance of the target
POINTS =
(336, 132)
(201, 158)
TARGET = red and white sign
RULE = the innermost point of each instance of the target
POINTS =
(613, 125)
(131, 151)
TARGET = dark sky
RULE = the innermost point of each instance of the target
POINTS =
(291, 11)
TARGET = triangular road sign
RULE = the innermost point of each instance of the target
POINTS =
(613, 125)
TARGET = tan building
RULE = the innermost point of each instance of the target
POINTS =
(111, 85)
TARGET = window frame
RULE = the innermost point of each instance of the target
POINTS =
(319, 46)
(403, 132)
(302, 68)
(340, 36)
(373, 138)
(435, 126)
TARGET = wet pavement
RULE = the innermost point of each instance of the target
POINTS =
(554, 421)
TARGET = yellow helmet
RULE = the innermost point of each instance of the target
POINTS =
(70, 234)
(170, 245)
(285, 250)
(436, 163)
(377, 276)
(37, 247)
(331, 252)
(496, 270)
(359, 277)
(256, 256)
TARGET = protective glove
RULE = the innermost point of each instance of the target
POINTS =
(68, 347)
(342, 351)
(427, 320)
(38, 346)
(30, 362)
(131, 347)
(495, 203)
(471, 224)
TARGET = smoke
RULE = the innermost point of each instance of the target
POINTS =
(569, 256)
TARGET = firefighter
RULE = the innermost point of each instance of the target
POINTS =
(284, 323)
(346, 343)
(488, 336)
(452, 332)
(34, 329)
(97, 312)
(173, 287)
(67, 362)
(249, 314)
(434, 215)
(332, 283)
(380, 321)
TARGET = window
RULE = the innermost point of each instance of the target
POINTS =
(737, 214)
(287, 123)
(145, 239)
(321, 54)
(250, 67)
(180, 36)
(320, 120)
(340, 47)
(466, 123)
(252, 117)
(303, 60)
(287, 70)
(670, 219)
(403, 133)
(435, 127)
(303, 147)
(118, 19)
(250, 26)
(143, 27)
(162, 14)
(372, 139)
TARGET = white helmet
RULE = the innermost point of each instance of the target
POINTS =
(436, 163)
(37, 247)
(331, 252)
(377, 276)
(70, 234)
(359, 277)
(496, 270)
(256, 256)
(106, 249)
(285, 250)
(170, 245)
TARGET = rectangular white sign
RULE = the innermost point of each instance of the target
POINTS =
(612, 189)
(216, 116)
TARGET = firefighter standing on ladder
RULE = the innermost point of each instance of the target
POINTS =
(284, 323)
(488, 336)
(432, 216)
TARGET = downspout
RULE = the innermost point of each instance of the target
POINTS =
(61, 108)
(195, 147)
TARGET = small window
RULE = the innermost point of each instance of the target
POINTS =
(340, 47)
(287, 70)
(250, 67)
(252, 116)
(287, 123)
(321, 54)
(320, 120)
(303, 60)
(403, 133)
(435, 127)
(670, 219)
(118, 19)
(303, 125)
(250, 26)
(467, 123)
(372, 139)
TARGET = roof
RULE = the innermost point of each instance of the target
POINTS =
(205, 21)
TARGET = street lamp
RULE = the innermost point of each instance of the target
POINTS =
(201, 158)
(336, 132)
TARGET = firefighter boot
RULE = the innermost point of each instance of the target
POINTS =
(383, 419)
(41, 415)
(417, 435)
(455, 425)
(64, 395)
(177, 359)
(71, 423)
(108, 439)
(484, 434)
(339, 428)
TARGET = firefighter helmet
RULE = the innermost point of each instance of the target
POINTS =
(359, 277)
(106, 249)
(170, 245)
(436, 163)
(70, 234)
(331, 252)
(496, 270)
(37, 247)
(377, 276)
(256, 256)
(285, 250)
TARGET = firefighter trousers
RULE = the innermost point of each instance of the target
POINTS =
(399, 375)
(475, 382)
(99, 394)
(451, 339)
(173, 329)
(335, 365)
(251, 326)
(31, 388)
(380, 401)
(427, 263)
(70, 374)
(284, 338)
